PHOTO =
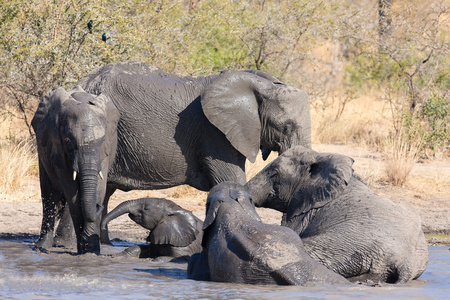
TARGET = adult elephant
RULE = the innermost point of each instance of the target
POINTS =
(341, 221)
(76, 135)
(174, 231)
(198, 131)
(239, 248)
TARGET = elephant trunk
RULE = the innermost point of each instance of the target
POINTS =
(91, 210)
(122, 208)
(258, 188)
(261, 190)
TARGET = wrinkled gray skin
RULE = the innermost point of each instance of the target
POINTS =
(199, 131)
(341, 221)
(239, 248)
(76, 139)
(174, 231)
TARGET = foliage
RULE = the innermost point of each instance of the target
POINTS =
(434, 116)
(408, 67)
(47, 44)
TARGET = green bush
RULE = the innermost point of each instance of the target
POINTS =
(435, 117)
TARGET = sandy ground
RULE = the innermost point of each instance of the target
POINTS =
(427, 189)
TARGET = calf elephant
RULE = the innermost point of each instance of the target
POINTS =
(239, 248)
(199, 131)
(76, 135)
(341, 221)
(174, 231)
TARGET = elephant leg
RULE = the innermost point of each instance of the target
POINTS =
(228, 168)
(104, 235)
(50, 199)
(65, 232)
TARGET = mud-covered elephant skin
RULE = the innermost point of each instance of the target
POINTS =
(174, 231)
(341, 221)
(198, 131)
(76, 135)
(239, 248)
(177, 130)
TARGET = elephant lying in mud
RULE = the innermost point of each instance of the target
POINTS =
(239, 248)
(76, 136)
(174, 231)
(343, 224)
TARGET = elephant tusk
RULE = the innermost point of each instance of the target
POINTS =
(100, 174)
(74, 175)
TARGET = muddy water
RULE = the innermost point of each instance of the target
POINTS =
(26, 274)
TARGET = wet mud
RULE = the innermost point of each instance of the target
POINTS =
(26, 273)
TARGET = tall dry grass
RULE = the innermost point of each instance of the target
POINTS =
(401, 152)
(364, 122)
(17, 165)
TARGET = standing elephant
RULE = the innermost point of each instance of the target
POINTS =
(174, 231)
(76, 135)
(239, 248)
(198, 131)
(341, 221)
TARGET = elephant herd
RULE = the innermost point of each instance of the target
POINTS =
(133, 126)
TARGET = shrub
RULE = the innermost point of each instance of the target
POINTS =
(401, 152)
(434, 115)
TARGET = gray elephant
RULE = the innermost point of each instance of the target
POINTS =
(199, 131)
(76, 135)
(174, 231)
(239, 248)
(341, 221)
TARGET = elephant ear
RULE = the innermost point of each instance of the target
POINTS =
(329, 176)
(211, 213)
(49, 107)
(230, 103)
(178, 229)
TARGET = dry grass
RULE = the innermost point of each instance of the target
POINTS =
(363, 121)
(401, 153)
(17, 165)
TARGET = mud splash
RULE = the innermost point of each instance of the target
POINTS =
(25, 273)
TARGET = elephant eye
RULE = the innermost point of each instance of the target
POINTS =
(275, 177)
(288, 127)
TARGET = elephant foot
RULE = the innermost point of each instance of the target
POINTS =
(105, 241)
(41, 250)
(44, 243)
(89, 245)
(65, 242)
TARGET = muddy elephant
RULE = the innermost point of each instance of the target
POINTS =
(198, 131)
(174, 231)
(239, 248)
(341, 221)
(76, 135)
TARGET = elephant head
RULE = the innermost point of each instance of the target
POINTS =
(257, 112)
(224, 194)
(168, 223)
(299, 180)
(76, 135)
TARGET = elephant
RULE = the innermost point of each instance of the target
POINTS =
(199, 131)
(343, 224)
(76, 136)
(239, 248)
(174, 231)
